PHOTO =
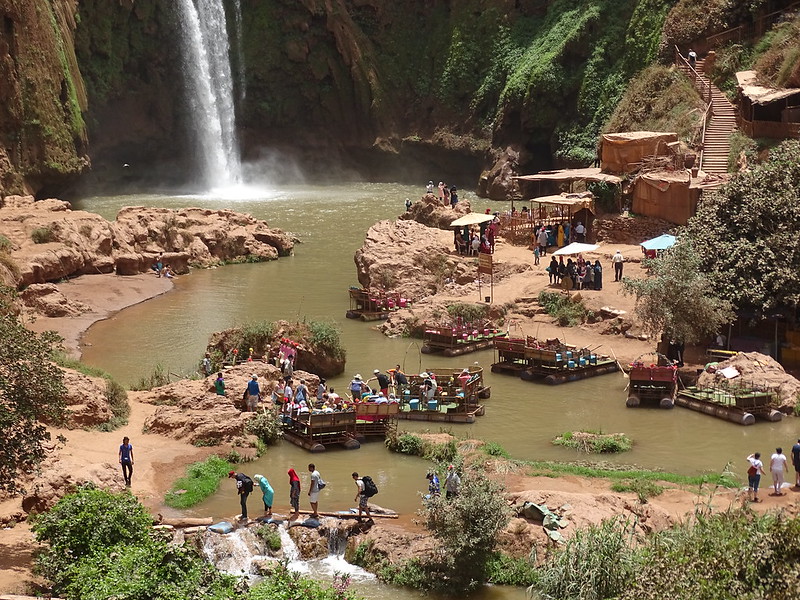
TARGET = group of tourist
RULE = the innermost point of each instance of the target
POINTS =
(448, 196)
(452, 483)
(477, 239)
(161, 269)
(245, 486)
(778, 467)
(583, 274)
(558, 234)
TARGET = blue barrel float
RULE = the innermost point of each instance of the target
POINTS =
(570, 364)
(413, 404)
(433, 405)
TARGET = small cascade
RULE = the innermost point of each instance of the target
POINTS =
(208, 72)
(234, 552)
(290, 551)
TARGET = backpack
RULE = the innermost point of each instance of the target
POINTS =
(370, 489)
(247, 484)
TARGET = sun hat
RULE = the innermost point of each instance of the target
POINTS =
(423, 375)
(376, 371)
(255, 376)
(358, 376)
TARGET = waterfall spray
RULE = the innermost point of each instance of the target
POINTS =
(207, 68)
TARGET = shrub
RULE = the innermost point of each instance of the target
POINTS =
(507, 570)
(86, 522)
(265, 425)
(466, 529)
(407, 443)
(495, 449)
(566, 311)
(283, 584)
(327, 337)
(595, 563)
(270, 535)
(201, 480)
(595, 442)
(42, 235)
(741, 145)
(158, 377)
(468, 312)
(5, 244)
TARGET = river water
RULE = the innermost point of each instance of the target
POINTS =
(331, 221)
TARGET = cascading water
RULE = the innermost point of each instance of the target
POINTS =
(237, 9)
(208, 72)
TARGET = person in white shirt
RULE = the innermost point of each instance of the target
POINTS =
(754, 473)
(778, 466)
(618, 261)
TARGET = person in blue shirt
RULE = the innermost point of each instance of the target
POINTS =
(253, 393)
(434, 489)
(126, 460)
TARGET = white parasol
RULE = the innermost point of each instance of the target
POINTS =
(471, 219)
(575, 248)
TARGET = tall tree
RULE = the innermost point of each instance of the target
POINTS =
(748, 235)
(677, 298)
(31, 392)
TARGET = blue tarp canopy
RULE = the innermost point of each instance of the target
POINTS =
(662, 242)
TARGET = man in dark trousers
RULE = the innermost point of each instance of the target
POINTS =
(244, 485)
(126, 460)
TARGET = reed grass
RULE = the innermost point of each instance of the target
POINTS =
(201, 480)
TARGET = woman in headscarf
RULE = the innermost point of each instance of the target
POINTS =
(267, 493)
(560, 235)
(598, 275)
(294, 493)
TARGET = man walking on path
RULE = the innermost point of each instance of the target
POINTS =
(777, 466)
(361, 498)
(244, 485)
(126, 460)
(618, 261)
(796, 463)
(313, 490)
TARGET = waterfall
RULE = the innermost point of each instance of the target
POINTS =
(208, 71)
(237, 10)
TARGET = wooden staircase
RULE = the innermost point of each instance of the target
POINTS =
(720, 122)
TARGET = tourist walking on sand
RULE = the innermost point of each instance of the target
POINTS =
(294, 493)
(361, 497)
(219, 385)
(451, 483)
(580, 233)
(126, 460)
(267, 493)
(542, 240)
(253, 393)
(618, 261)
(598, 275)
(777, 467)
(314, 489)
(552, 270)
(244, 485)
(796, 463)
(754, 474)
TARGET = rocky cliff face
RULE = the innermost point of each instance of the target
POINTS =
(42, 96)
(390, 87)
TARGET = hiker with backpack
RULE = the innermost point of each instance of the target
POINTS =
(244, 486)
(366, 488)
(314, 488)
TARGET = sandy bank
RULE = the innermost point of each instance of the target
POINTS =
(104, 294)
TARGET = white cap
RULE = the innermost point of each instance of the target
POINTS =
(376, 371)
(423, 374)
(358, 376)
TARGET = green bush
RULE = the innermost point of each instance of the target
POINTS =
(158, 377)
(265, 426)
(595, 442)
(201, 480)
(284, 584)
(42, 235)
(595, 563)
(495, 449)
(566, 311)
(5, 244)
(84, 523)
(468, 312)
(741, 144)
(327, 337)
(506, 570)
(406, 443)
(270, 535)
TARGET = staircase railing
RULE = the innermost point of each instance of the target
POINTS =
(749, 31)
(698, 80)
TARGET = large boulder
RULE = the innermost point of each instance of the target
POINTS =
(47, 300)
(498, 183)
(406, 257)
(431, 212)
